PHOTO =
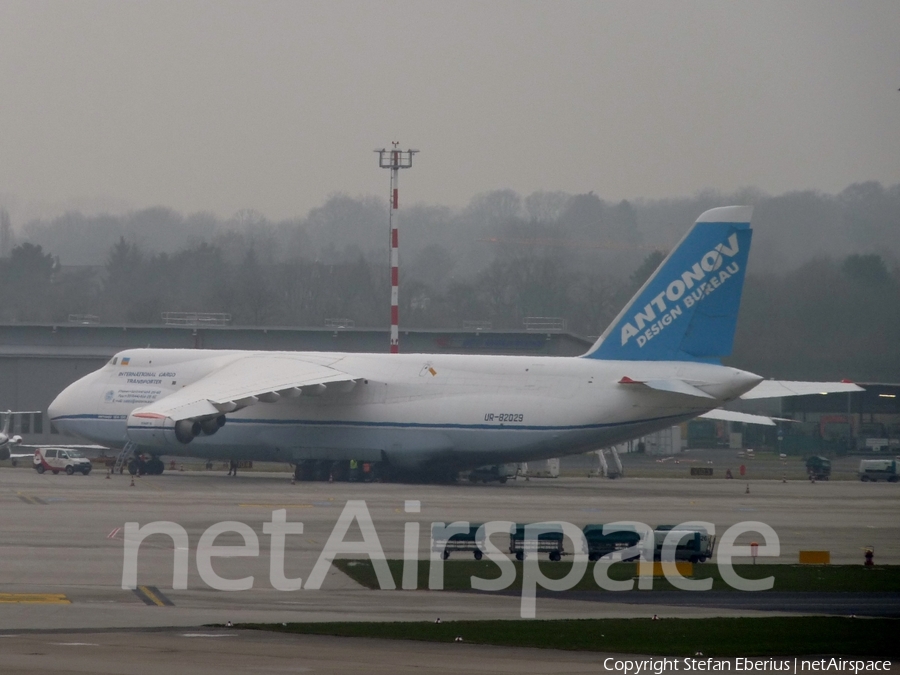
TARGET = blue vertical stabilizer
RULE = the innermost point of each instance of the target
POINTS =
(688, 309)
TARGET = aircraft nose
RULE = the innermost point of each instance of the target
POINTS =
(69, 401)
(54, 410)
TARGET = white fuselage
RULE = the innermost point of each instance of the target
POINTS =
(411, 410)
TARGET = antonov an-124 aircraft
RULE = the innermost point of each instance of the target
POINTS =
(656, 365)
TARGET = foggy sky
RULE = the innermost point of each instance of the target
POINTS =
(221, 106)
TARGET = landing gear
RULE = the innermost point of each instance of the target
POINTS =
(138, 466)
(155, 467)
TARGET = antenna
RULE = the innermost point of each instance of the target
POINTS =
(395, 159)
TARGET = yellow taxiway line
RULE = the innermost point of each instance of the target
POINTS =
(35, 598)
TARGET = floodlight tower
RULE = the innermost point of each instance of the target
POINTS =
(395, 159)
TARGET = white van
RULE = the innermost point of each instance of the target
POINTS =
(61, 459)
(875, 469)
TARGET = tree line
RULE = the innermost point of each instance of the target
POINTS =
(821, 298)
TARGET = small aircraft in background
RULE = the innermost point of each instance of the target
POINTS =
(9, 442)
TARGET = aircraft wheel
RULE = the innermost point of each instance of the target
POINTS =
(520, 556)
(503, 480)
(132, 467)
(478, 554)
(445, 554)
(703, 558)
(55, 471)
(39, 468)
(70, 470)
(555, 556)
(592, 557)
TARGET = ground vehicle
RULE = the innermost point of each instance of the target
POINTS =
(818, 468)
(458, 541)
(61, 459)
(599, 544)
(875, 469)
(695, 543)
(550, 541)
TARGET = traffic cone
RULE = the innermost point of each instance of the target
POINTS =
(748, 489)
(293, 481)
(784, 478)
(132, 481)
(107, 473)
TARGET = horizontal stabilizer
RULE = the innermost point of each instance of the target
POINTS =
(779, 388)
(746, 418)
(672, 386)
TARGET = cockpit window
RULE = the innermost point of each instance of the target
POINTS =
(114, 361)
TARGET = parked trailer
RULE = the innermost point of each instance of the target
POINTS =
(458, 541)
(550, 542)
(599, 544)
(695, 544)
(878, 469)
(818, 468)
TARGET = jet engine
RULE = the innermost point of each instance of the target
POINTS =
(211, 425)
(187, 430)
(153, 429)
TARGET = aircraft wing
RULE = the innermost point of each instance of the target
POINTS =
(245, 382)
(779, 388)
(746, 418)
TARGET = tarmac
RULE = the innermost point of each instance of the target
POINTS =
(61, 563)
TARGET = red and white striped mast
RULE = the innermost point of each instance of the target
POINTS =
(395, 159)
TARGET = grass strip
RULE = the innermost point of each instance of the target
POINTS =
(802, 578)
(748, 637)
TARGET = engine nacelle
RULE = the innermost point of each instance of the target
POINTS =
(211, 425)
(187, 430)
(155, 430)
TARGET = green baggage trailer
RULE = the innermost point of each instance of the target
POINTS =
(599, 544)
(549, 542)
